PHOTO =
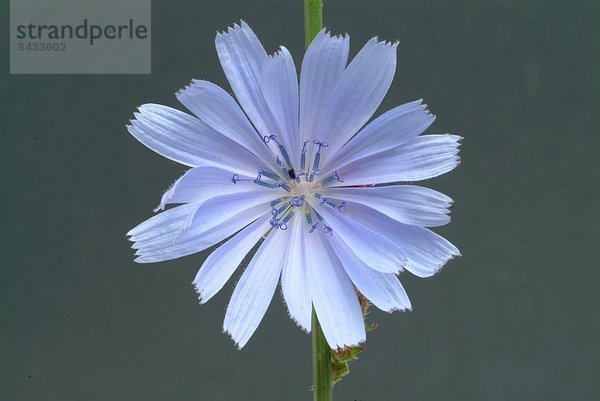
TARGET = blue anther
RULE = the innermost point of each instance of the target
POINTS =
(283, 185)
(334, 176)
(318, 154)
(288, 216)
(313, 227)
(328, 230)
(274, 212)
(265, 184)
(317, 160)
(343, 207)
(284, 152)
(235, 178)
(267, 173)
(282, 226)
(309, 219)
(285, 155)
(274, 222)
(327, 180)
(303, 156)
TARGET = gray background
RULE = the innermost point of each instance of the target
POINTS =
(514, 319)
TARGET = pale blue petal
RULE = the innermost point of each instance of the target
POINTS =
(213, 221)
(409, 204)
(280, 88)
(369, 246)
(163, 223)
(357, 95)
(426, 251)
(382, 289)
(173, 246)
(334, 299)
(391, 129)
(220, 265)
(242, 57)
(187, 140)
(424, 157)
(322, 67)
(254, 291)
(294, 277)
(216, 108)
(202, 183)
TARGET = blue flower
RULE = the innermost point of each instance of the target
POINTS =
(296, 173)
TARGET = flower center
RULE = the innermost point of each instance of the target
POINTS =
(301, 184)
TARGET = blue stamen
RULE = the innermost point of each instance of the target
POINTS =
(267, 173)
(318, 154)
(334, 176)
(303, 156)
(288, 216)
(284, 185)
(284, 168)
(309, 220)
(284, 152)
(236, 178)
(265, 184)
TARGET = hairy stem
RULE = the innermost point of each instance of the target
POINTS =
(321, 355)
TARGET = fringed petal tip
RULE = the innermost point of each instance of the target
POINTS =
(236, 27)
(186, 87)
(329, 35)
(281, 50)
(455, 254)
(405, 309)
(199, 293)
(386, 43)
(237, 344)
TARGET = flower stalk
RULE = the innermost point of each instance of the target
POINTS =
(322, 370)
(321, 353)
(313, 19)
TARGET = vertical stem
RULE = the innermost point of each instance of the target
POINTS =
(313, 19)
(321, 354)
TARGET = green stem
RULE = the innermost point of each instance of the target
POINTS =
(321, 354)
(313, 19)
